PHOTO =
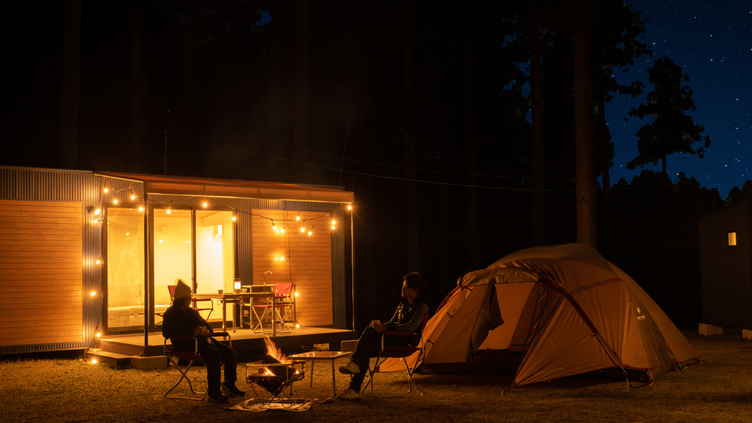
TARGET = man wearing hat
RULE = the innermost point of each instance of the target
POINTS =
(183, 320)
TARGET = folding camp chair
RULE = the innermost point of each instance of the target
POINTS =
(209, 308)
(191, 357)
(284, 301)
(402, 353)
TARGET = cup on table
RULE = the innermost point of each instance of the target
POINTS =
(220, 290)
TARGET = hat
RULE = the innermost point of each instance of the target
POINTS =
(182, 289)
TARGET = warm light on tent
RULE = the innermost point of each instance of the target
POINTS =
(732, 239)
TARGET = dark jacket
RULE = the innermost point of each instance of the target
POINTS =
(408, 318)
(178, 322)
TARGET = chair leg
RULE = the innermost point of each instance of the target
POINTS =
(260, 323)
(184, 375)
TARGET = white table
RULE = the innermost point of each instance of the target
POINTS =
(240, 299)
(322, 355)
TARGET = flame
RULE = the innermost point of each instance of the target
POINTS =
(264, 371)
(273, 351)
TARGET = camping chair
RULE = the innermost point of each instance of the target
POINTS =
(210, 308)
(191, 357)
(284, 301)
(402, 353)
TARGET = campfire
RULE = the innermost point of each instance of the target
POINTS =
(278, 372)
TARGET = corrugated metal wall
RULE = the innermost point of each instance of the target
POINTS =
(245, 240)
(63, 185)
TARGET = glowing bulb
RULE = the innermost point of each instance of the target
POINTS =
(233, 218)
(106, 190)
(99, 260)
(93, 361)
(99, 335)
(274, 227)
(93, 293)
(97, 211)
(296, 294)
(161, 242)
(133, 196)
(141, 208)
(282, 258)
(310, 233)
(127, 233)
(297, 326)
(302, 229)
(114, 201)
(282, 230)
(349, 207)
(334, 222)
(334, 227)
(204, 203)
(297, 217)
(169, 211)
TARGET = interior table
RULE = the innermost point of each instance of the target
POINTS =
(322, 355)
(240, 298)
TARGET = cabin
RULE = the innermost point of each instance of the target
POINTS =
(87, 257)
(726, 275)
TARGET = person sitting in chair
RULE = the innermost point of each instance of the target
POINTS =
(181, 320)
(408, 317)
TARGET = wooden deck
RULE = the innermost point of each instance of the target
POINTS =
(242, 340)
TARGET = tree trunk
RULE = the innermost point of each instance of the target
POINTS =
(71, 82)
(539, 195)
(188, 151)
(584, 125)
(137, 90)
(472, 193)
(411, 192)
(302, 111)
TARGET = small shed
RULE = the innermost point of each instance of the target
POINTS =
(725, 257)
(86, 252)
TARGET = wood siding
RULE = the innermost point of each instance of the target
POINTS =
(41, 272)
(308, 260)
(725, 271)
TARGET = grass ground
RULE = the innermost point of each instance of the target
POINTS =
(69, 390)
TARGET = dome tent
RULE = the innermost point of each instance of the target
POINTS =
(556, 311)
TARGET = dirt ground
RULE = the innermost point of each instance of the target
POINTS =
(70, 390)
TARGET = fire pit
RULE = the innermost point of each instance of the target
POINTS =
(275, 377)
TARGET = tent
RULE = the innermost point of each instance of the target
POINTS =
(551, 312)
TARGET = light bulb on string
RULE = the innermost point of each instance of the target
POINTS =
(234, 218)
(133, 196)
(115, 201)
(140, 208)
(205, 204)
(302, 229)
(106, 190)
(349, 207)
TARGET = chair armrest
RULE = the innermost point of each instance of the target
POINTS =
(395, 333)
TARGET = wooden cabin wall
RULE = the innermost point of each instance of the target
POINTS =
(725, 271)
(307, 259)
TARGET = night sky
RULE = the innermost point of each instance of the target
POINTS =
(712, 42)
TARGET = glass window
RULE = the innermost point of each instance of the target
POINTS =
(125, 268)
(172, 255)
(215, 258)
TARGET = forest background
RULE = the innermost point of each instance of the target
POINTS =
(423, 109)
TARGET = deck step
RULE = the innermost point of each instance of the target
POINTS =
(106, 357)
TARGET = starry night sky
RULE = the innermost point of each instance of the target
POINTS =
(712, 42)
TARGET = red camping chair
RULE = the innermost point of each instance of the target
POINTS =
(402, 353)
(191, 357)
(284, 301)
(210, 308)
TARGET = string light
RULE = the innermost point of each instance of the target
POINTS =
(93, 293)
(133, 196)
(310, 233)
(99, 335)
(99, 260)
(115, 201)
(274, 227)
(349, 207)
(234, 218)
(106, 190)
(140, 208)
(93, 361)
(205, 204)
(302, 229)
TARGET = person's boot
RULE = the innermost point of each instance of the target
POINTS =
(229, 389)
